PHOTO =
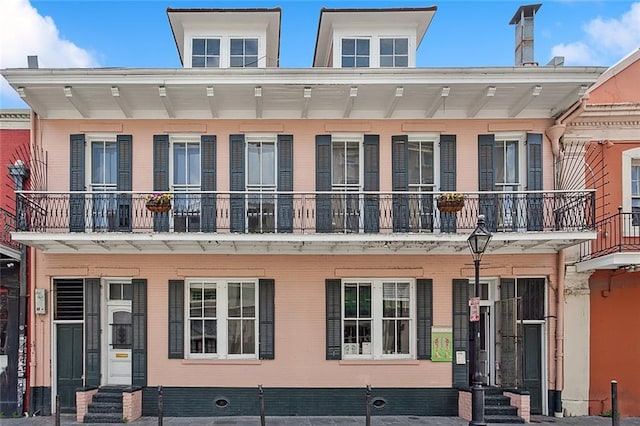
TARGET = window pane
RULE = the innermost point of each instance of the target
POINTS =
(213, 47)
(97, 163)
(251, 47)
(248, 337)
(362, 47)
(348, 46)
(209, 302)
(388, 337)
(350, 301)
(338, 163)
(127, 292)
(237, 46)
(348, 62)
(268, 164)
(512, 162)
(362, 62)
(197, 46)
(115, 292)
(234, 300)
(365, 301)
(414, 163)
(403, 300)
(386, 61)
(248, 300)
(179, 164)
(427, 162)
(402, 61)
(213, 62)
(197, 62)
(251, 62)
(386, 46)
(498, 161)
(353, 168)
(196, 336)
(236, 61)
(401, 46)
(234, 336)
(195, 302)
(253, 158)
(111, 163)
(210, 337)
(193, 151)
(403, 336)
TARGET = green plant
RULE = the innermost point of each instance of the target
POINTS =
(606, 413)
(159, 198)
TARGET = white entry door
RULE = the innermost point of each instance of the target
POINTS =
(119, 339)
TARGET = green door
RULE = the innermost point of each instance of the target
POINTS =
(532, 365)
(69, 365)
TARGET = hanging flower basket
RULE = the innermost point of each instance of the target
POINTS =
(450, 203)
(159, 203)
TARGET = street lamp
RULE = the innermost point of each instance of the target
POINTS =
(478, 242)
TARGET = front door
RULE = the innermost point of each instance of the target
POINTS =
(118, 350)
(68, 364)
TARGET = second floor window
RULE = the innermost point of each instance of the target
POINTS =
(355, 52)
(205, 53)
(421, 181)
(261, 178)
(635, 192)
(394, 52)
(243, 53)
(346, 178)
(186, 178)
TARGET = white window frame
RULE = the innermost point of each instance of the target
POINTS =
(225, 45)
(102, 205)
(394, 55)
(377, 318)
(630, 158)
(374, 44)
(355, 54)
(205, 55)
(222, 318)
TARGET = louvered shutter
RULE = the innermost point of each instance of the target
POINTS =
(176, 319)
(424, 294)
(92, 346)
(123, 212)
(323, 183)
(486, 179)
(461, 330)
(371, 183)
(208, 182)
(267, 318)
(236, 167)
(400, 182)
(333, 289)
(77, 183)
(535, 210)
(139, 333)
(161, 178)
(285, 183)
(448, 178)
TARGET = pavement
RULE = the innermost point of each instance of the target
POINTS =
(67, 420)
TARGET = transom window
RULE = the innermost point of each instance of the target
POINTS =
(244, 53)
(222, 319)
(378, 319)
(205, 53)
(394, 52)
(120, 291)
(355, 52)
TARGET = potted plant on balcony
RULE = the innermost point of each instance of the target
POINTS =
(159, 202)
(450, 202)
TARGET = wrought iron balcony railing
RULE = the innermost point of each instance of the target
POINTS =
(8, 223)
(618, 233)
(306, 212)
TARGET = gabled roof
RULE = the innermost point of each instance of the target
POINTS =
(418, 18)
(227, 19)
(632, 60)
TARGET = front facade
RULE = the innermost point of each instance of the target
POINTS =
(305, 246)
(605, 130)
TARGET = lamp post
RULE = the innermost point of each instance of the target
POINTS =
(478, 242)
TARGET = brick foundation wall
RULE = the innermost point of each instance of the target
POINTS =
(83, 399)
(464, 405)
(523, 403)
(132, 404)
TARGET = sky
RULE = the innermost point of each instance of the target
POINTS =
(471, 33)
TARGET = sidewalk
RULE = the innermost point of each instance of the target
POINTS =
(67, 420)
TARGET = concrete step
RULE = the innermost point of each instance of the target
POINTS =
(103, 418)
(105, 407)
(500, 410)
(496, 400)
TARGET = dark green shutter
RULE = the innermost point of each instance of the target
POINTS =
(161, 178)
(400, 182)
(507, 331)
(92, 346)
(486, 180)
(77, 177)
(461, 331)
(176, 319)
(208, 182)
(371, 183)
(323, 183)
(535, 210)
(285, 183)
(267, 318)
(139, 333)
(124, 213)
(236, 167)
(424, 292)
(334, 318)
(448, 178)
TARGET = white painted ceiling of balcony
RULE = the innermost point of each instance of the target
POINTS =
(315, 93)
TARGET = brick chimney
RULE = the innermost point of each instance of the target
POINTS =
(523, 20)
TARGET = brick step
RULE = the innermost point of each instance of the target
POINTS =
(500, 410)
(105, 407)
(496, 400)
(108, 397)
(102, 418)
(503, 419)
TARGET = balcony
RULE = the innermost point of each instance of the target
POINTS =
(617, 244)
(302, 222)
(8, 246)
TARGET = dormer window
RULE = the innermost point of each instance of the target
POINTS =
(394, 52)
(205, 53)
(244, 53)
(355, 52)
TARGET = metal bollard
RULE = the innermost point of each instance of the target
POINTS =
(368, 406)
(57, 410)
(160, 405)
(615, 415)
(261, 400)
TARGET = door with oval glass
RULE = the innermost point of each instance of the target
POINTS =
(118, 317)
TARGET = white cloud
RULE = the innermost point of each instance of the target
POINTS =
(607, 40)
(24, 32)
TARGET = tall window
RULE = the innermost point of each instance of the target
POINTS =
(635, 192)
(346, 178)
(222, 319)
(394, 52)
(261, 180)
(186, 178)
(104, 170)
(355, 52)
(506, 160)
(378, 319)
(205, 53)
(421, 182)
(244, 52)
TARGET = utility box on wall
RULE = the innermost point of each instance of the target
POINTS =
(41, 301)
